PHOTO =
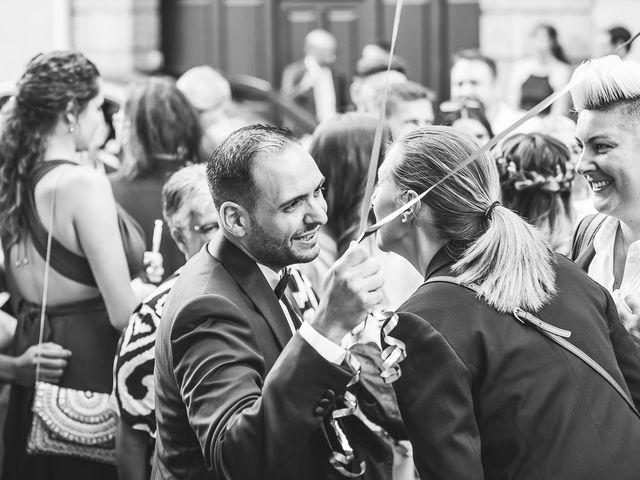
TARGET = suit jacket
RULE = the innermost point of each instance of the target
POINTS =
(237, 396)
(293, 74)
(483, 396)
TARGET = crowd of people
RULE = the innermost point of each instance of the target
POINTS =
(206, 306)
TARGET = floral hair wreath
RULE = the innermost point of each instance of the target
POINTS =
(523, 180)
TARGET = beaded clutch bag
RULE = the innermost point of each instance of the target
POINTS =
(72, 423)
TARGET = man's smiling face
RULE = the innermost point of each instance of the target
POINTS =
(289, 209)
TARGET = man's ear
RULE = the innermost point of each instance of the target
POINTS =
(234, 219)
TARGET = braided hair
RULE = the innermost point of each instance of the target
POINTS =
(536, 183)
(53, 84)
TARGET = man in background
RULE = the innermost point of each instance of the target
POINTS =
(312, 82)
(474, 76)
(409, 105)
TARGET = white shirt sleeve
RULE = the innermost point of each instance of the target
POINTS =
(330, 351)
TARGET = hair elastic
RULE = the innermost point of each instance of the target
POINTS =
(487, 212)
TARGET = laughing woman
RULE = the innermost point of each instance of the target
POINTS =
(607, 245)
(482, 394)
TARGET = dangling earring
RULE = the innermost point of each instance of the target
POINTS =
(72, 129)
(405, 217)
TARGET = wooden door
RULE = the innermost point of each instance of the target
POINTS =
(260, 37)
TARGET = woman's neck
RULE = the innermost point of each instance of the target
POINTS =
(420, 250)
(59, 147)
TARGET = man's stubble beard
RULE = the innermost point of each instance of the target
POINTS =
(271, 252)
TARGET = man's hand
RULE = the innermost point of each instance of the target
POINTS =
(353, 289)
(53, 360)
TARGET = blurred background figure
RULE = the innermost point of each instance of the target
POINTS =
(210, 94)
(609, 40)
(546, 70)
(192, 220)
(536, 184)
(342, 149)
(54, 114)
(378, 50)
(369, 79)
(467, 116)
(409, 104)
(473, 76)
(160, 133)
(312, 81)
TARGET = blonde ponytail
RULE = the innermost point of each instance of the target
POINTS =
(508, 259)
(510, 263)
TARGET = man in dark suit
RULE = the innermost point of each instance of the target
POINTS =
(311, 82)
(240, 393)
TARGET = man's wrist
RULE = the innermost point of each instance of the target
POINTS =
(332, 330)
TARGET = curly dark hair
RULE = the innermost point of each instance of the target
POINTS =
(53, 84)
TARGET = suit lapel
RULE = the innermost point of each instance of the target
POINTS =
(251, 281)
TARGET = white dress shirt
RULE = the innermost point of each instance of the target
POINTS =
(329, 350)
(601, 267)
(324, 94)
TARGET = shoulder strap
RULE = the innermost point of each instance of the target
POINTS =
(62, 260)
(45, 283)
(585, 233)
(555, 334)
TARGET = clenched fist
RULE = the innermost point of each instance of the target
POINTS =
(353, 289)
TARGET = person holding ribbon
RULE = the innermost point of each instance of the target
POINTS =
(488, 388)
(244, 390)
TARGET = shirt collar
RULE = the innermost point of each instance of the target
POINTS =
(605, 236)
(272, 276)
(440, 260)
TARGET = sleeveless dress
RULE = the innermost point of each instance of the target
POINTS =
(535, 89)
(82, 327)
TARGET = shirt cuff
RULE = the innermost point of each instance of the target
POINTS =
(330, 351)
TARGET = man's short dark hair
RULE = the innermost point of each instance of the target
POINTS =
(472, 54)
(229, 170)
(618, 36)
(406, 92)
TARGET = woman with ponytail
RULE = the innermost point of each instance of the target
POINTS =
(482, 394)
(46, 196)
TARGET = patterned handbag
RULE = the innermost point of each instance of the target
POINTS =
(66, 421)
(72, 423)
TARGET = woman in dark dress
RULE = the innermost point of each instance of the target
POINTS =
(54, 114)
(483, 393)
(160, 133)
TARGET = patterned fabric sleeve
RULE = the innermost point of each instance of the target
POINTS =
(134, 387)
